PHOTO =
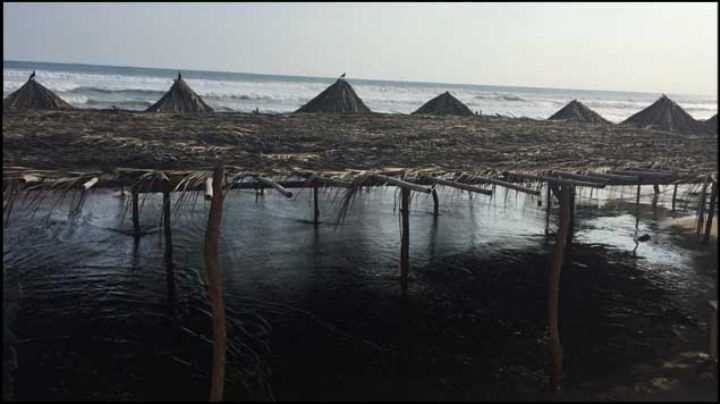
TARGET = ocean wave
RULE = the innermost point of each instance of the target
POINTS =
(125, 91)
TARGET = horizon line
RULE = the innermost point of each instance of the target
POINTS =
(361, 79)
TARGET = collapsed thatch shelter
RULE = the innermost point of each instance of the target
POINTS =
(338, 98)
(665, 114)
(444, 104)
(578, 112)
(180, 99)
(712, 123)
(33, 95)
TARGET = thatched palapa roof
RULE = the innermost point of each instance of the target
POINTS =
(444, 104)
(712, 123)
(665, 114)
(338, 98)
(33, 95)
(578, 112)
(180, 99)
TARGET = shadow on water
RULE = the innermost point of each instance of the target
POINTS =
(316, 310)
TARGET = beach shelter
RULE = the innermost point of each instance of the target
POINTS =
(180, 99)
(576, 111)
(33, 95)
(665, 114)
(444, 104)
(338, 98)
(711, 123)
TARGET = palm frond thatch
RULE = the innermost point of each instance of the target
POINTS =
(444, 104)
(340, 97)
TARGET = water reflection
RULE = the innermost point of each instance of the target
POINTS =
(471, 325)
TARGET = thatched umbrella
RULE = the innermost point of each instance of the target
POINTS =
(578, 112)
(33, 95)
(712, 123)
(444, 104)
(338, 98)
(666, 115)
(180, 99)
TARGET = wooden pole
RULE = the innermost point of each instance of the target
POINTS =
(547, 210)
(656, 188)
(674, 196)
(317, 209)
(212, 234)
(571, 224)
(405, 241)
(554, 287)
(169, 266)
(637, 210)
(701, 209)
(711, 213)
(436, 203)
(135, 213)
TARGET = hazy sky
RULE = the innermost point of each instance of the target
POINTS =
(662, 47)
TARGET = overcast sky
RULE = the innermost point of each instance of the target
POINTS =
(662, 47)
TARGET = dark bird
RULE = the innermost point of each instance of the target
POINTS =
(179, 75)
(342, 76)
(643, 238)
(32, 76)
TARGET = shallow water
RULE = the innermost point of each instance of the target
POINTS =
(318, 311)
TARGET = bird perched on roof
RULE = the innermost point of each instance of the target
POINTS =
(32, 76)
(342, 76)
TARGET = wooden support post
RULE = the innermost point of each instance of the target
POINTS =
(711, 213)
(674, 196)
(317, 209)
(169, 266)
(701, 209)
(571, 224)
(548, 208)
(436, 203)
(405, 241)
(656, 188)
(637, 210)
(212, 234)
(135, 213)
(554, 287)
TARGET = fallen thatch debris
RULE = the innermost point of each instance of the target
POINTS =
(33, 95)
(338, 98)
(712, 124)
(578, 112)
(180, 99)
(665, 114)
(444, 104)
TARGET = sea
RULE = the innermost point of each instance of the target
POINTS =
(136, 88)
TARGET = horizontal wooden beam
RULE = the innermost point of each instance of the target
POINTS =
(403, 184)
(612, 177)
(506, 184)
(458, 185)
(559, 181)
(273, 184)
(642, 174)
(579, 177)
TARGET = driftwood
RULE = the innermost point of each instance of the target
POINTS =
(212, 266)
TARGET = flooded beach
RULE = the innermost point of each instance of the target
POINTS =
(316, 312)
